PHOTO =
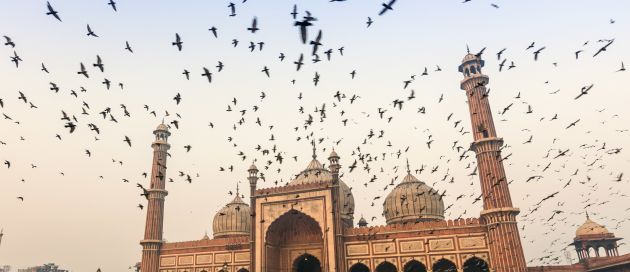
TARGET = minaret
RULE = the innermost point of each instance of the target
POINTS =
(498, 214)
(155, 208)
(338, 226)
(253, 179)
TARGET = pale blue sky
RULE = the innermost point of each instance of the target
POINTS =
(63, 217)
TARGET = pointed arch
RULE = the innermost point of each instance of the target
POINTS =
(444, 265)
(293, 226)
(414, 266)
(359, 267)
(476, 264)
(306, 263)
(386, 267)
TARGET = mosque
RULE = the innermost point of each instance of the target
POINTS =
(308, 225)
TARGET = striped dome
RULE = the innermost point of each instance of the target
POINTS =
(233, 219)
(412, 201)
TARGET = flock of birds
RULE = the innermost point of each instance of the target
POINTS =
(372, 150)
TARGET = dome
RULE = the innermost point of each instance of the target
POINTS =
(314, 173)
(253, 168)
(411, 201)
(233, 219)
(469, 57)
(591, 228)
(333, 154)
(362, 222)
(162, 127)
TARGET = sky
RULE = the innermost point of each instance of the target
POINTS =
(88, 217)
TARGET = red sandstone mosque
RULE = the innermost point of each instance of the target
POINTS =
(308, 225)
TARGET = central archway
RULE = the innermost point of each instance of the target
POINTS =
(307, 263)
(294, 232)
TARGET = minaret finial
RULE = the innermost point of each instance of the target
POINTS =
(587, 217)
(467, 49)
(314, 150)
(408, 168)
(237, 192)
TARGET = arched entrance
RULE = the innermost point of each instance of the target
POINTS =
(293, 232)
(475, 264)
(242, 270)
(307, 263)
(414, 266)
(386, 267)
(444, 265)
(359, 267)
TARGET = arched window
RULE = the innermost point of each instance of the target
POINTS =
(414, 266)
(473, 70)
(307, 263)
(475, 264)
(444, 265)
(386, 267)
(467, 72)
(359, 267)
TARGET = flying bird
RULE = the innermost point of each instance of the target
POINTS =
(604, 48)
(8, 41)
(99, 63)
(623, 68)
(127, 140)
(254, 26)
(52, 12)
(83, 71)
(214, 31)
(299, 63)
(113, 4)
(128, 47)
(178, 42)
(90, 32)
(207, 74)
(386, 7)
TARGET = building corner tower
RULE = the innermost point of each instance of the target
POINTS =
(506, 251)
(156, 193)
(253, 179)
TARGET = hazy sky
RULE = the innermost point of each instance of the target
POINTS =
(82, 221)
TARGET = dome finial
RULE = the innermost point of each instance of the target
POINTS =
(237, 192)
(467, 49)
(408, 169)
(587, 217)
(314, 149)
